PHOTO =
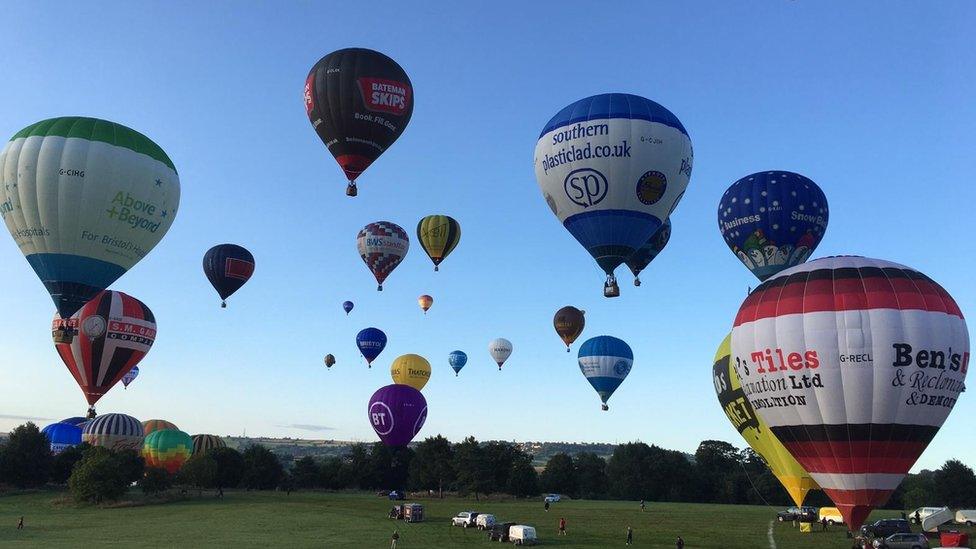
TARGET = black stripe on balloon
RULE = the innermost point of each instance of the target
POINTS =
(843, 273)
(147, 315)
(854, 432)
(104, 310)
(119, 359)
(452, 236)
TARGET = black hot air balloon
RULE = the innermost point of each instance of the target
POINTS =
(359, 101)
(228, 267)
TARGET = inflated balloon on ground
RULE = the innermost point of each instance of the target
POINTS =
(153, 425)
(62, 436)
(114, 431)
(167, 449)
(204, 443)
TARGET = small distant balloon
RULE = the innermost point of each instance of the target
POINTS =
(347, 306)
(130, 376)
(438, 236)
(457, 360)
(371, 342)
(500, 349)
(228, 267)
(382, 245)
(397, 413)
(329, 361)
(646, 253)
(425, 301)
(569, 323)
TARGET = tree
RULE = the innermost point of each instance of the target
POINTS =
(262, 470)
(591, 475)
(361, 467)
(200, 471)
(25, 460)
(469, 464)
(389, 466)
(496, 465)
(523, 481)
(638, 471)
(230, 467)
(131, 465)
(154, 481)
(559, 476)
(98, 477)
(718, 472)
(305, 473)
(334, 474)
(433, 465)
(919, 489)
(63, 463)
(954, 485)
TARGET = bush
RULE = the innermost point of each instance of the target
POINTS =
(99, 476)
(155, 481)
(262, 470)
(200, 471)
(25, 460)
(230, 467)
(64, 463)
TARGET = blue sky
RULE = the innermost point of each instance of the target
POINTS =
(873, 104)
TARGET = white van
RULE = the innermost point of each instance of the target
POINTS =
(918, 515)
(521, 534)
(937, 518)
(484, 521)
(966, 516)
(832, 514)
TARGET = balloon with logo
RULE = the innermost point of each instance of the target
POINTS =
(397, 413)
(114, 431)
(382, 245)
(228, 267)
(62, 436)
(130, 376)
(347, 306)
(646, 253)
(85, 199)
(102, 341)
(438, 236)
(569, 323)
(754, 430)
(359, 101)
(425, 302)
(605, 362)
(167, 449)
(412, 370)
(329, 360)
(457, 360)
(854, 364)
(204, 443)
(612, 168)
(772, 220)
(500, 349)
(371, 342)
(153, 425)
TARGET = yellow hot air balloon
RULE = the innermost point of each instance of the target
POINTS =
(412, 370)
(754, 430)
(425, 301)
(438, 235)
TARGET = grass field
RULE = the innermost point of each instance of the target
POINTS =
(318, 519)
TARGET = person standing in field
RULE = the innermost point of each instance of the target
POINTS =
(562, 526)
(547, 506)
(20, 525)
(630, 535)
(394, 539)
(680, 544)
(642, 505)
(823, 524)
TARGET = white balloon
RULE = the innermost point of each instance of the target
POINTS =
(500, 349)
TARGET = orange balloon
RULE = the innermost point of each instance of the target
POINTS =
(425, 302)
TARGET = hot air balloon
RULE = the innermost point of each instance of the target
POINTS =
(382, 245)
(130, 376)
(605, 362)
(500, 349)
(397, 413)
(371, 342)
(457, 360)
(854, 364)
(772, 220)
(569, 323)
(425, 301)
(646, 253)
(438, 236)
(347, 306)
(153, 425)
(204, 443)
(85, 200)
(167, 449)
(359, 101)
(77, 420)
(412, 370)
(114, 431)
(62, 436)
(117, 331)
(612, 168)
(228, 267)
(754, 430)
(329, 360)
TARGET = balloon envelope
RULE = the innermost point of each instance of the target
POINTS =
(569, 323)
(228, 267)
(62, 436)
(854, 364)
(397, 413)
(425, 302)
(114, 431)
(347, 306)
(646, 253)
(500, 349)
(204, 443)
(167, 449)
(605, 362)
(371, 342)
(382, 245)
(457, 360)
(438, 236)
(130, 376)
(754, 430)
(77, 420)
(123, 193)
(772, 220)
(153, 425)
(329, 360)
(412, 370)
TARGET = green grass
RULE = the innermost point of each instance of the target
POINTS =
(318, 519)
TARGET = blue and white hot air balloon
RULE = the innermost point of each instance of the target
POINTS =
(612, 167)
(62, 436)
(605, 362)
(457, 359)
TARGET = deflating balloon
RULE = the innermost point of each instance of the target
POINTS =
(412, 370)
(167, 449)
(605, 362)
(500, 349)
(754, 430)
(116, 330)
(204, 443)
(359, 101)
(569, 323)
(347, 306)
(153, 425)
(329, 361)
(85, 200)
(612, 168)
(854, 364)
(772, 220)
(397, 413)
(371, 342)
(382, 245)
(114, 431)
(457, 360)
(62, 436)
(228, 267)
(438, 236)
(425, 301)
(646, 253)
(130, 376)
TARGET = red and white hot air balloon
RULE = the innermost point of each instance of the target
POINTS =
(855, 364)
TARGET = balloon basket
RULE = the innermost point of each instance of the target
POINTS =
(351, 189)
(223, 304)
(604, 407)
(637, 282)
(436, 268)
(610, 289)
(567, 349)
(379, 288)
(62, 335)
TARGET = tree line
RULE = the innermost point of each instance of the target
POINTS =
(717, 473)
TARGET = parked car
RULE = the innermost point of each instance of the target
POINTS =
(918, 515)
(932, 522)
(395, 495)
(966, 516)
(886, 527)
(465, 519)
(413, 512)
(803, 514)
(484, 521)
(905, 541)
(552, 498)
(499, 532)
(832, 514)
(520, 534)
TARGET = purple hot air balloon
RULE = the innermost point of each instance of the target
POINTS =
(397, 413)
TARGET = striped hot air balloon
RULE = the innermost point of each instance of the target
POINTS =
(167, 449)
(854, 363)
(204, 443)
(438, 236)
(114, 431)
(153, 425)
(382, 245)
